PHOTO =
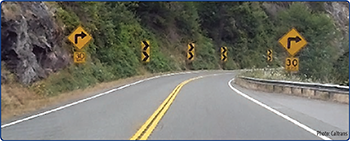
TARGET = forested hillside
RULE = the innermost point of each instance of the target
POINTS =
(247, 29)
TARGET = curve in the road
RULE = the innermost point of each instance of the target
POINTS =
(312, 131)
(89, 98)
(146, 129)
(206, 108)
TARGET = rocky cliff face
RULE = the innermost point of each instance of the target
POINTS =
(339, 11)
(31, 41)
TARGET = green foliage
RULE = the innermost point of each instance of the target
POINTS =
(118, 28)
(230, 65)
(187, 20)
(155, 15)
(158, 61)
(316, 61)
(341, 70)
(69, 19)
(341, 66)
(72, 78)
(205, 55)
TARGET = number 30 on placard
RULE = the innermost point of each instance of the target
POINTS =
(292, 64)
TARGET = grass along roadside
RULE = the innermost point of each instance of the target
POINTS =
(18, 101)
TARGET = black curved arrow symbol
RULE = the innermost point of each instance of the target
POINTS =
(191, 47)
(290, 39)
(191, 56)
(146, 56)
(82, 35)
(146, 45)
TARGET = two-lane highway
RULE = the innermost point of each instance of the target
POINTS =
(209, 109)
(202, 108)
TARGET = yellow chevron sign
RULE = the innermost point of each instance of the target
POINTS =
(145, 51)
(224, 54)
(269, 55)
(190, 53)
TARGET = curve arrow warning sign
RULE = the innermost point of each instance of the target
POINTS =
(292, 41)
(145, 51)
(79, 37)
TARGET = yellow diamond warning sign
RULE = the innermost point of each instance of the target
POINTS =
(292, 41)
(79, 37)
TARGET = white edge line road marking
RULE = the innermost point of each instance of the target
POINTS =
(277, 112)
(92, 97)
(98, 95)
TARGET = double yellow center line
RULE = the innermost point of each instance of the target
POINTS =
(146, 129)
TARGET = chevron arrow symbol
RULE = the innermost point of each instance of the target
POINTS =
(191, 56)
(269, 52)
(146, 45)
(146, 56)
(191, 47)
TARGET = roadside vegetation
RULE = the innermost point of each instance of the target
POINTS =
(246, 28)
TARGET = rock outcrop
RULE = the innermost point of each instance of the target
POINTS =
(31, 41)
(339, 11)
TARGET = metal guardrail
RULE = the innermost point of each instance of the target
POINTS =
(315, 86)
(265, 69)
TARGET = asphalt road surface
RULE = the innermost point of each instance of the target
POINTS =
(210, 106)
